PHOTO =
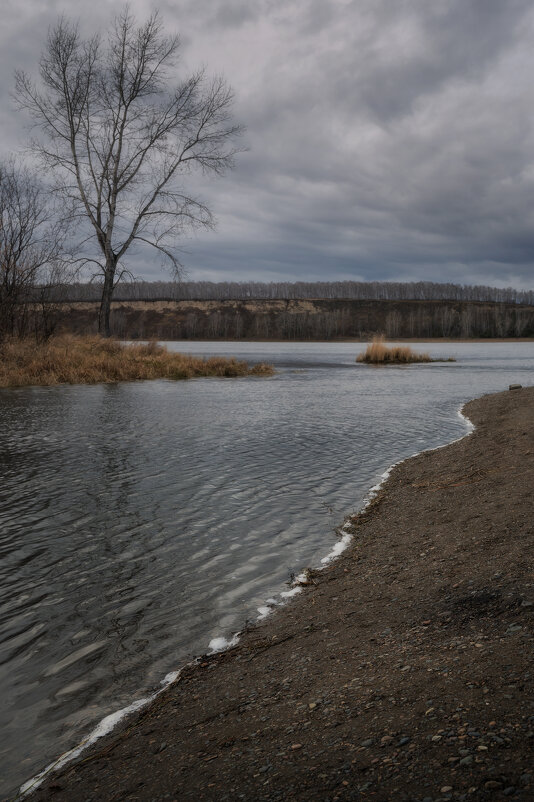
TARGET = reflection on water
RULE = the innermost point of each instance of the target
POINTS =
(140, 520)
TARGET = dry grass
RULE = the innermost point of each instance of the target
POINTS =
(86, 360)
(378, 353)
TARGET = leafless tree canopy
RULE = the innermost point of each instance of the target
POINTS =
(286, 290)
(30, 246)
(122, 143)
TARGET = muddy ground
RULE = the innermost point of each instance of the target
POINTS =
(402, 672)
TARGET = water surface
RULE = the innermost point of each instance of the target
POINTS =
(140, 520)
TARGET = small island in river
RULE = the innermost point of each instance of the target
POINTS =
(378, 353)
(69, 359)
(403, 671)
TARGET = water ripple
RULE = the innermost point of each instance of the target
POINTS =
(139, 521)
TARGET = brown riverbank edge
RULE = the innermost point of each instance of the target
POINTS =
(403, 672)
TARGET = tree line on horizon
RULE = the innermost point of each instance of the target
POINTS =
(309, 319)
(298, 290)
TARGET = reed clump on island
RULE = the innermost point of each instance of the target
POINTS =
(378, 353)
(67, 359)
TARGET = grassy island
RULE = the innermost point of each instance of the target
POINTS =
(378, 353)
(67, 359)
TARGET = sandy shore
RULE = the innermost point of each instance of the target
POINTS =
(403, 672)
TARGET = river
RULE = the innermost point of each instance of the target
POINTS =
(140, 520)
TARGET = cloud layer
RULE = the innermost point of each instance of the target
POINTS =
(385, 140)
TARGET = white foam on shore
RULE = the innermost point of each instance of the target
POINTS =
(169, 678)
(287, 594)
(217, 645)
(339, 548)
(387, 473)
(221, 644)
(347, 537)
(104, 727)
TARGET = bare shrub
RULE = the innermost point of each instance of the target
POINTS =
(31, 239)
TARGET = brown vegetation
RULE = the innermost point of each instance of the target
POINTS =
(86, 360)
(378, 353)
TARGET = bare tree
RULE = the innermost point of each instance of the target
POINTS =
(121, 142)
(31, 242)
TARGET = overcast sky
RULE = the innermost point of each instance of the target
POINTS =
(387, 139)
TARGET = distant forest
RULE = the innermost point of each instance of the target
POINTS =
(299, 290)
(304, 319)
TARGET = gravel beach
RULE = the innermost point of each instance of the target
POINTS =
(403, 671)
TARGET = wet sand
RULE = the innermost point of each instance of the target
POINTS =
(401, 672)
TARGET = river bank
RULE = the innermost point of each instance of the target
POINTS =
(403, 671)
(301, 319)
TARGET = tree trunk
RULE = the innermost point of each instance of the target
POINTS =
(105, 303)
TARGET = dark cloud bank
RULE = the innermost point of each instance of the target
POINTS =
(385, 140)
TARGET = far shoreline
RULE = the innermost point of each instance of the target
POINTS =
(356, 341)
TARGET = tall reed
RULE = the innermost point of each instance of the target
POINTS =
(378, 353)
(68, 359)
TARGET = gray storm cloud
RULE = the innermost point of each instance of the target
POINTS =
(384, 140)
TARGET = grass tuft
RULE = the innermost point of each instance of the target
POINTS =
(68, 359)
(378, 353)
